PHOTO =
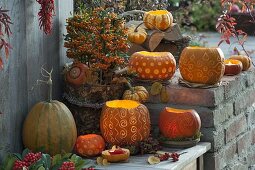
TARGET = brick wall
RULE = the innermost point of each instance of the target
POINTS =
(227, 114)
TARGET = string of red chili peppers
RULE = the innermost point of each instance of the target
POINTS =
(46, 14)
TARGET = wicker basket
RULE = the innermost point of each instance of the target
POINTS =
(86, 102)
(244, 22)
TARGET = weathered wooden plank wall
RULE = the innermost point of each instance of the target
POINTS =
(31, 50)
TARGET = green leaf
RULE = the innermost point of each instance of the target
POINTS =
(41, 168)
(25, 152)
(46, 160)
(8, 162)
(80, 164)
(17, 155)
(56, 159)
(67, 155)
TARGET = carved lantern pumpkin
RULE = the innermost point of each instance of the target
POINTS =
(137, 34)
(90, 145)
(159, 19)
(153, 65)
(246, 61)
(202, 65)
(77, 75)
(177, 123)
(124, 122)
(233, 67)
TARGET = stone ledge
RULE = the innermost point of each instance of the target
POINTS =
(211, 97)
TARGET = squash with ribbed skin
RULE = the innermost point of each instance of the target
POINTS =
(202, 65)
(159, 19)
(246, 61)
(153, 65)
(124, 122)
(177, 123)
(90, 145)
(137, 34)
(49, 126)
(137, 93)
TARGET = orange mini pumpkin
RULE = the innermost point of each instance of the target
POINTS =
(124, 122)
(90, 145)
(137, 93)
(202, 65)
(116, 154)
(137, 34)
(246, 61)
(233, 67)
(177, 123)
(159, 19)
(153, 65)
(77, 75)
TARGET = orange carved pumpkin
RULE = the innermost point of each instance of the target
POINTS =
(77, 75)
(153, 65)
(159, 19)
(90, 145)
(202, 65)
(246, 61)
(177, 123)
(233, 67)
(124, 122)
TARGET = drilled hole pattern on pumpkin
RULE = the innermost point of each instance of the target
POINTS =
(121, 126)
(202, 65)
(153, 65)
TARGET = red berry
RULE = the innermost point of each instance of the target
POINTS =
(19, 165)
(31, 158)
(67, 166)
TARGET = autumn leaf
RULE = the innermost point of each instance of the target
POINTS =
(1, 64)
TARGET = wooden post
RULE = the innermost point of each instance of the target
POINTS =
(154, 37)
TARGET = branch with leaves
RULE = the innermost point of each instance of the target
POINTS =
(5, 32)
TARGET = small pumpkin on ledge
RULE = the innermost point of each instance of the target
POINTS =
(137, 93)
(137, 34)
(246, 61)
(116, 154)
(233, 67)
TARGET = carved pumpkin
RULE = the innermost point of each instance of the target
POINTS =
(137, 34)
(77, 75)
(90, 145)
(177, 123)
(137, 93)
(116, 154)
(159, 19)
(246, 61)
(233, 67)
(153, 65)
(50, 125)
(124, 122)
(202, 65)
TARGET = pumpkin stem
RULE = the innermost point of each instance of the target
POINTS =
(136, 28)
(48, 75)
(130, 87)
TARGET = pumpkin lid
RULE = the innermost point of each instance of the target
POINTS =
(159, 12)
(169, 109)
(125, 104)
(153, 54)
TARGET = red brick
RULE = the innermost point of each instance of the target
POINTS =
(235, 128)
(243, 142)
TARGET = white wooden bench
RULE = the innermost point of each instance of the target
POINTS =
(192, 160)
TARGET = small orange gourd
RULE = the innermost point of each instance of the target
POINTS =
(124, 122)
(137, 93)
(158, 19)
(202, 65)
(153, 65)
(90, 145)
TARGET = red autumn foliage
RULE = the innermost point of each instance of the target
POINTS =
(46, 14)
(226, 23)
(5, 32)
